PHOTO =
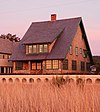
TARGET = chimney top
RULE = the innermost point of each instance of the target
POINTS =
(53, 17)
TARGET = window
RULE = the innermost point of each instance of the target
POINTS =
(76, 51)
(25, 65)
(80, 50)
(48, 64)
(40, 48)
(74, 65)
(88, 66)
(1, 56)
(85, 53)
(52, 64)
(19, 65)
(38, 66)
(55, 64)
(45, 48)
(5, 56)
(34, 49)
(71, 49)
(30, 49)
(82, 66)
(33, 66)
(65, 64)
(2, 69)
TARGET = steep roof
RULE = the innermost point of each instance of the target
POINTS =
(7, 46)
(46, 32)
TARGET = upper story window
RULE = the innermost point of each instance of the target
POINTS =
(39, 48)
(71, 52)
(84, 53)
(30, 49)
(76, 51)
(80, 50)
(34, 48)
(45, 48)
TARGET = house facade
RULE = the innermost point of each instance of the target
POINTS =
(53, 47)
(7, 45)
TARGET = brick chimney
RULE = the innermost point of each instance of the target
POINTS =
(53, 17)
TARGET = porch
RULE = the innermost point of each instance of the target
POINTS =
(38, 67)
(28, 67)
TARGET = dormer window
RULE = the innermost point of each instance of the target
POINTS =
(30, 49)
(45, 48)
(34, 48)
(39, 48)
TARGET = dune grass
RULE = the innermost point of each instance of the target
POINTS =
(48, 97)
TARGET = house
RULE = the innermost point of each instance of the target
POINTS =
(7, 45)
(53, 47)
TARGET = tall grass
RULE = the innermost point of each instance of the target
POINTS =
(47, 97)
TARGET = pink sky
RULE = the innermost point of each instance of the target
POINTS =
(17, 15)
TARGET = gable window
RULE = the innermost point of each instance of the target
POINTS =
(82, 66)
(76, 51)
(30, 49)
(71, 52)
(84, 53)
(65, 64)
(74, 65)
(80, 50)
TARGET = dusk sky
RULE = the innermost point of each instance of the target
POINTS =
(17, 15)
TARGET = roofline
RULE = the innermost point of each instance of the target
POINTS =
(86, 41)
(36, 43)
(56, 20)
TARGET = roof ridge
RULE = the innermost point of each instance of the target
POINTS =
(35, 22)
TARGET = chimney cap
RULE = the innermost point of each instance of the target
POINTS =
(53, 17)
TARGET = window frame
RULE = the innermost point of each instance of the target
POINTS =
(74, 65)
(65, 64)
(70, 50)
(76, 51)
(52, 66)
(29, 49)
(82, 66)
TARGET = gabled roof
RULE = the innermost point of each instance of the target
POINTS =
(46, 32)
(43, 32)
(7, 46)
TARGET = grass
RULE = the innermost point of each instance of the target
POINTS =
(48, 97)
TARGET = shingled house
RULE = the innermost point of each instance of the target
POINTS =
(56, 46)
(7, 45)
